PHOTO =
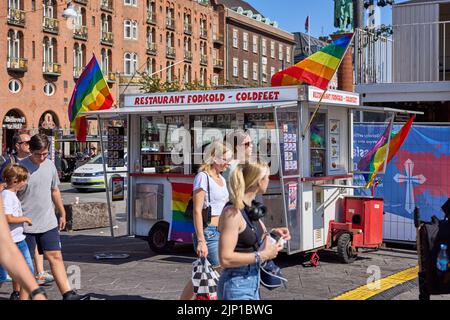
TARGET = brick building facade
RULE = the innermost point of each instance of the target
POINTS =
(44, 53)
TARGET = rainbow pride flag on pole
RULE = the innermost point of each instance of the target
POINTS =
(91, 93)
(182, 228)
(374, 161)
(318, 68)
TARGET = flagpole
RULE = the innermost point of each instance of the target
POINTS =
(309, 36)
(323, 93)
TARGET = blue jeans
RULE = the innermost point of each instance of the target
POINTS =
(241, 283)
(212, 236)
(23, 247)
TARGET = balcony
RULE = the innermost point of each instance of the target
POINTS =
(17, 64)
(50, 25)
(203, 59)
(107, 5)
(107, 38)
(188, 28)
(111, 77)
(80, 32)
(217, 38)
(170, 23)
(187, 56)
(151, 17)
(16, 17)
(203, 33)
(170, 52)
(51, 69)
(218, 63)
(81, 1)
(151, 48)
(77, 72)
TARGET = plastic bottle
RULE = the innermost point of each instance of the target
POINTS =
(442, 259)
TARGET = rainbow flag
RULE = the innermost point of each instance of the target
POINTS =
(91, 93)
(182, 228)
(318, 68)
(373, 162)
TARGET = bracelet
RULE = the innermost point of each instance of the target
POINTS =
(201, 240)
(258, 257)
(38, 290)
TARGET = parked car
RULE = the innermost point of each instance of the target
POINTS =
(90, 175)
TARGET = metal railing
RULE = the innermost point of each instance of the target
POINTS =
(217, 38)
(203, 59)
(415, 53)
(16, 16)
(107, 37)
(170, 52)
(107, 5)
(17, 64)
(187, 55)
(151, 17)
(170, 23)
(218, 63)
(203, 33)
(77, 72)
(51, 25)
(80, 32)
(111, 77)
(151, 48)
(51, 68)
(187, 28)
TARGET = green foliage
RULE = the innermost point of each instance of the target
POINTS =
(150, 84)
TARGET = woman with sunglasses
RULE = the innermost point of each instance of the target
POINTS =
(21, 144)
(210, 189)
(241, 143)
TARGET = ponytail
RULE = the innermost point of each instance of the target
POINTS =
(237, 187)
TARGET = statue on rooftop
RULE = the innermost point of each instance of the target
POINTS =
(343, 15)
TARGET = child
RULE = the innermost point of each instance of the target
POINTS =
(15, 177)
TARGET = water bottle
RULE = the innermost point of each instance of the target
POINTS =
(442, 259)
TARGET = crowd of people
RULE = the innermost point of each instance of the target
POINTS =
(30, 194)
(235, 241)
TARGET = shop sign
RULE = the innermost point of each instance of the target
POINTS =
(333, 97)
(12, 122)
(276, 94)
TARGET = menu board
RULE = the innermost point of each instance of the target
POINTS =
(289, 143)
(335, 145)
(116, 146)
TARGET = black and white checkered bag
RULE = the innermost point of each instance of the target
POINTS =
(204, 280)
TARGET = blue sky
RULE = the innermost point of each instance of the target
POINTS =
(291, 14)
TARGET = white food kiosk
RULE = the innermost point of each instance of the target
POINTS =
(310, 174)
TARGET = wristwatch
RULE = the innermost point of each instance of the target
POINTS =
(38, 290)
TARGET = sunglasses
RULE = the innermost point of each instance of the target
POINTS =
(248, 144)
(26, 142)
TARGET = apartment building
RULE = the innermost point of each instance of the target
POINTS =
(254, 47)
(45, 53)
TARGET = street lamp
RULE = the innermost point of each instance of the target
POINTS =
(69, 12)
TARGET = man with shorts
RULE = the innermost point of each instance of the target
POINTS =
(39, 200)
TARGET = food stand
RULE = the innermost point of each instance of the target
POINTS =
(310, 174)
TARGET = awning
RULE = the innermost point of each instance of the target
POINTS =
(120, 112)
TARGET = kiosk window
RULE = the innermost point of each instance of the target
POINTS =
(317, 145)
(261, 127)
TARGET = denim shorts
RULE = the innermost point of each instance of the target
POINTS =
(23, 247)
(212, 236)
(47, 241)
(241, 283)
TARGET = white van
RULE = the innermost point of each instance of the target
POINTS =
(90, 175)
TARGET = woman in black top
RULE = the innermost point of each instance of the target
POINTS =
(239, 235)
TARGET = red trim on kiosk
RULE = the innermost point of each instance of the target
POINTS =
(326, 178)
(163, 175)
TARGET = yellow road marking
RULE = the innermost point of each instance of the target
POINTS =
(369, 290)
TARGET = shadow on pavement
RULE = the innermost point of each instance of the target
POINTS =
(95, 296)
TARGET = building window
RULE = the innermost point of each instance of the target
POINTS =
(105, 62)
(245, 69)
(235, 38)
(245, 42)
(130, 63)
(235, 67)
(272, 72)
(264, 47)
(49, 89)
(15, 45)
(14, 85)
(272, 49)
(255, 71)
(255, 44)
(288, 55)
(280, 52)
(33, 49)
(130, 29)
(130, 3)
(264, 72)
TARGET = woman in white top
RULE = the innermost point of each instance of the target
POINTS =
(206, 238)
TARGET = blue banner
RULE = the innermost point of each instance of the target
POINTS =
(418, 175)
